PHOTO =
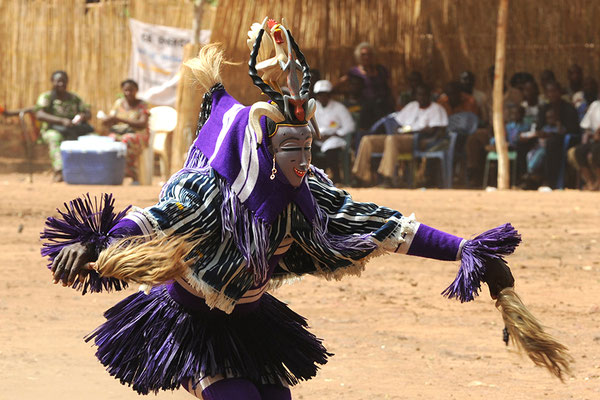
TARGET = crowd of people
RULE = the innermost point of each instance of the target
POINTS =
(553, 134)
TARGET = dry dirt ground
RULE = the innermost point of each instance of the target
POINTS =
(393, 335)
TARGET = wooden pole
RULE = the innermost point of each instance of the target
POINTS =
(498, 98)
(189, 100)
(197, 22)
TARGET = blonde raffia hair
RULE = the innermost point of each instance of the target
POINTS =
(151, 262)
(528, 334)
(206, 67)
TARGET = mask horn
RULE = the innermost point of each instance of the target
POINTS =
(311, 107)
(259, 109)
(315, 126)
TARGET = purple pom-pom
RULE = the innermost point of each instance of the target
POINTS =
(495, 243)
(84, 221)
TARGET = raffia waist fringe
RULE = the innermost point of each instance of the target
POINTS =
(154, 341)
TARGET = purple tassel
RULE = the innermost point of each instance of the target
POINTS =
(153, 343)
(88, 222)
(341, 243)
(195, 162)
(495, 243)
(250, 234)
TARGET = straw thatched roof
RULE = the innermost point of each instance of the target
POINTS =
(439, 37)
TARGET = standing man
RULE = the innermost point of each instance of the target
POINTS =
(335, 122)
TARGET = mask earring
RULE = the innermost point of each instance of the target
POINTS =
(274, 170)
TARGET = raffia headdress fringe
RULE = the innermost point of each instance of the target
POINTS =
(151, 262)
(528, 334)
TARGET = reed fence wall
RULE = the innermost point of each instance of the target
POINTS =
(439, 37)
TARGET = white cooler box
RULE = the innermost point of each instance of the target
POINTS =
(93, 160)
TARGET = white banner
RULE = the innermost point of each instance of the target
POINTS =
(157, 54)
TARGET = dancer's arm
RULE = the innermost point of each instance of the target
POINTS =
(185, 206)
(481, 258)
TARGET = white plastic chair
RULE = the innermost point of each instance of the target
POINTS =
(163, 120)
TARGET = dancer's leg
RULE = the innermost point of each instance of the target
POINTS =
(274, 392)
(225, 389)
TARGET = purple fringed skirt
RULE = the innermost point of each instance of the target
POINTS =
(153, 342)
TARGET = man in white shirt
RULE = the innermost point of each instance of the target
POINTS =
(423, 116)
(585, 157)
(335, 122)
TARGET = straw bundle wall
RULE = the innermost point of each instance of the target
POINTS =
(540, 34)
(327, 32)
(439, 37)
(91, 42)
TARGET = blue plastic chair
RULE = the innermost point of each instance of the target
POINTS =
(460, 125)
(387, 125)
(570, 140)
(493, 156)
(463, 123)
(446, 157)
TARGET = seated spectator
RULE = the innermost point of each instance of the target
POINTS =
(546, 77)
(351, 96)
(413, 80)
(454, 100)
(536, 156)
(376, 96)
(422, 116)
(335, 122)
(516, 125)
(467, 81)
(586, 96)
(575, 77)
(531, 102)
(586, 156)
(63, 115)
(477, 144)
(127, 122)
(514, 94)
(567, 122)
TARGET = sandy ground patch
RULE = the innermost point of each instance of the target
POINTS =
(393, 335)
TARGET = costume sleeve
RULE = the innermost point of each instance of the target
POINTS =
(392, 232)
(389, 229)
(43, 102)
(439, 118)
(347, 124)
(187, 203)
(402, 117)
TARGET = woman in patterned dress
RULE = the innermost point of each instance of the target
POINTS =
(128, 123)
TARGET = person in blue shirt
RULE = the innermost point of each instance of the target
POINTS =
(536, 156)
(515, 126)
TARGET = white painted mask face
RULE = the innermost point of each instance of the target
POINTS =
(292, 149)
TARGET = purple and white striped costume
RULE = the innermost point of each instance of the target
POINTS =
(253, 233)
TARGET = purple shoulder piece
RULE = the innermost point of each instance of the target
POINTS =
(84, 221)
